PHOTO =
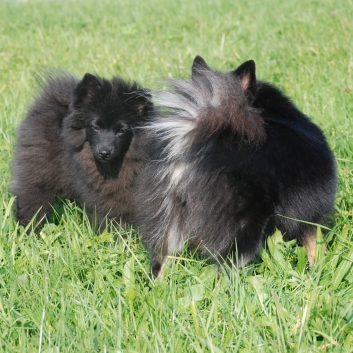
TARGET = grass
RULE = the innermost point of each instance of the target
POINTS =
(69, 290)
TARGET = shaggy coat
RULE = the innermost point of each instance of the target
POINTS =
(230, 159)
(78, 138)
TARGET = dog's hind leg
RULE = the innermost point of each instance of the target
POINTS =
(159, 257)
(309, 241)
(170, 243)
(249, 238)
(157, 262)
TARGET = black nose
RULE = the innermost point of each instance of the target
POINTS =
(104, 153)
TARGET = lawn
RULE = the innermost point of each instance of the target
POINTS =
(70, 290)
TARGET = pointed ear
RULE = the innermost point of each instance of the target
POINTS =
(246, 73)
(91, 85)
(198, 65)
(143, 103)
(87, 89)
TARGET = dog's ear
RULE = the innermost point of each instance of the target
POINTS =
(143, 103)
(198, 65)
(246, 73)
(87, 89)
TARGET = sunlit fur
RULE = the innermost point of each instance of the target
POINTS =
(228, 156)
(78, 139)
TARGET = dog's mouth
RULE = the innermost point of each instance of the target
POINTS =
(108, 167)
(104, 159)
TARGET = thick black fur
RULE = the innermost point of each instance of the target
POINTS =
(78, 139)
(231, 159)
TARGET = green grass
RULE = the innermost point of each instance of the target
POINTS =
(69, 290)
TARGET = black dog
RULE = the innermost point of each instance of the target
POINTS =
(78, 138)
(231, 158)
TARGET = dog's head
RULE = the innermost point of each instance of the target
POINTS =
(105, 113)
(230, 95)
(244, 74)
(211, 109)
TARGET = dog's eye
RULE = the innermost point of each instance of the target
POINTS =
(95, 128)
(121, 131)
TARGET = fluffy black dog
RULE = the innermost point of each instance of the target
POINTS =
(231, 158)
(78, 138)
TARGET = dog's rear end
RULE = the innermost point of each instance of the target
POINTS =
(229, 155)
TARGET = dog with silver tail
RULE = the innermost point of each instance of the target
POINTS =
(230, 159)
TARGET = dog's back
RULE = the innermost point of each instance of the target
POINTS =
(37, 171)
